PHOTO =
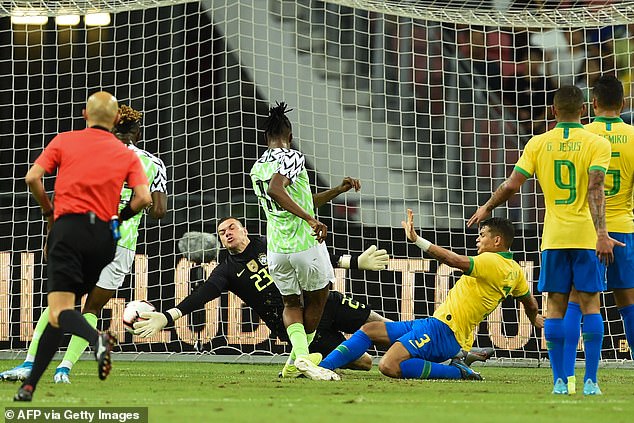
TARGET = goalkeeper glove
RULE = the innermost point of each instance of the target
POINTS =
(153, 322)
(373, 259)
(370, 259)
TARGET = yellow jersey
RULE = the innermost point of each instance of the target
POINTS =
(619, 180)
(491, 277)
(561, 159)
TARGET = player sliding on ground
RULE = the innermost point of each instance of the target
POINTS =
(418, 347)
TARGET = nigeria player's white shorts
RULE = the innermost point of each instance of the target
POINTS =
(308, 270)
(113, 274)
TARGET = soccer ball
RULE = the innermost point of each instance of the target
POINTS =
(132, 311)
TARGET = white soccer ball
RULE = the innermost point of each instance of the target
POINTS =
(132, 311)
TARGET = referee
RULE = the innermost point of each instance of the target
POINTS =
(92, 166)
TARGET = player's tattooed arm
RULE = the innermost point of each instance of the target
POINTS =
(596, 202)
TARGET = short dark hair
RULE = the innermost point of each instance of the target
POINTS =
(569, 100)
(502, 227)
(608, 91)
(278, 124)
(224, 219)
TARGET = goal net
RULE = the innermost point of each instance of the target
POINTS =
(429, 103)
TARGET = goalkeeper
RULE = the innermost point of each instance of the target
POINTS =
(245, 273)
(128, 130)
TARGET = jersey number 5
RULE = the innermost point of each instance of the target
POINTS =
(616, 178)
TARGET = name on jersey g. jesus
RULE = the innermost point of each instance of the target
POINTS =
(565, 146)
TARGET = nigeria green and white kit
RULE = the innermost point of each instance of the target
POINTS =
(113, 274)
(297, 262)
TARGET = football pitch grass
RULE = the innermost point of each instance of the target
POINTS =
(211, 392)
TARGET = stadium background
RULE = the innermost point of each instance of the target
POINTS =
(202, 104)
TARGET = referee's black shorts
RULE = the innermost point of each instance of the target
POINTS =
(342, 314)
(79, 247)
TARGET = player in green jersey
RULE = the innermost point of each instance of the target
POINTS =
(298, 260)
(128, 130)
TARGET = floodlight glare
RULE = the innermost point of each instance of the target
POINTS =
(97, 19)
(29, 19)
(67, 20)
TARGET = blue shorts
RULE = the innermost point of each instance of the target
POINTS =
(621, 271)
(561, 269)
(429, 339)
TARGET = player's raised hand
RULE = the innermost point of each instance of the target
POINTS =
(319, 230)
(152, 323)
(349, 183)
(408, 225)
(481, 214)
(373, 259)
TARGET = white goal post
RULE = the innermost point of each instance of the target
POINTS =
(428, 102)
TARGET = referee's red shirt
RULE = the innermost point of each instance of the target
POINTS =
(92, 166)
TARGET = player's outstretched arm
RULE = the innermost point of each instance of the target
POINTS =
(532, 310)
(501, 195)
(441, 254)
(348, 183)
(156, 321)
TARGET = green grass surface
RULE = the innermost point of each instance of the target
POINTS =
(211, 392)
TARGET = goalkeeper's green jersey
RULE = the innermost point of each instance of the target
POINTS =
(157, 179)
(285, 232)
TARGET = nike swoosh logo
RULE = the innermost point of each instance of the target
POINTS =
(241, 272)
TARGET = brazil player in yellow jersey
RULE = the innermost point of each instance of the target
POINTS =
(419, 347)
(570, 164)
(608, 101)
